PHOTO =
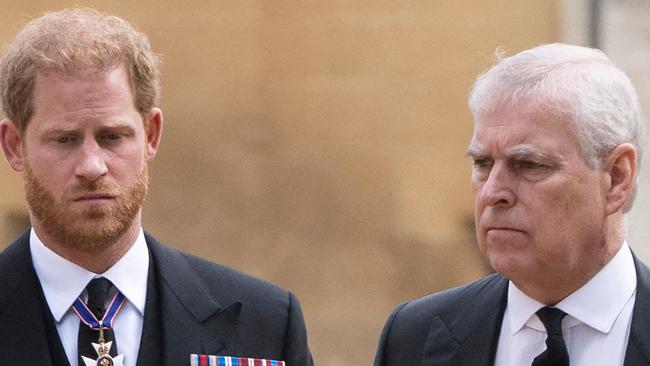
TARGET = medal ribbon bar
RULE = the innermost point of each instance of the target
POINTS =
(211, 360)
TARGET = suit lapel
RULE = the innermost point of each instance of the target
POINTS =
(23, 337)
(470, 336)
(638, 345)
(149, 352)
(192, 320)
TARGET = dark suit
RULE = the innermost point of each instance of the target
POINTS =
(192, 306)
(461, 326)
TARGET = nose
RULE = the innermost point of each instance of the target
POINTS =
(92, 161)
(498, 189)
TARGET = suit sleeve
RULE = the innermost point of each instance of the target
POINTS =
(296, 348)
(381, 356)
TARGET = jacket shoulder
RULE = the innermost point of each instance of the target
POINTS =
(231, 281)
(451, 301)
(269, 318)
(15, 265)
(230, 286)
(409, 325)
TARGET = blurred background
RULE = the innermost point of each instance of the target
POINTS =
(319, 144)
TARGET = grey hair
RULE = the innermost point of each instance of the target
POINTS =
(578, 83)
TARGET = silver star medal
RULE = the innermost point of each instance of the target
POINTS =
(104, 358)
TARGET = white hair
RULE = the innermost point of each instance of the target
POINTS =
(578, 83)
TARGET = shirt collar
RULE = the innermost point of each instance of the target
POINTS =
(63, 281)
(520, 307)
(587, 304)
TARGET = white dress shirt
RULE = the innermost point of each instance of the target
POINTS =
(596, 327)
(63, 282)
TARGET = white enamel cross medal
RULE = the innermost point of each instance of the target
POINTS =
(104, 358)
(102, 348)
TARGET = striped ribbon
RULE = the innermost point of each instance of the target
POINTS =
(209, 360)
(88, 318)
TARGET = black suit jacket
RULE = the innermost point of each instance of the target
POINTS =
(461, 326)
(195, 307)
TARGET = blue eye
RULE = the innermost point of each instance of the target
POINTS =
(65, 139)
(110, 137)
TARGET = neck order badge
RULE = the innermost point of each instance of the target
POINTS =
(102, 348)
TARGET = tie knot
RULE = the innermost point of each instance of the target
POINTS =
(552, 319)
(98, 290)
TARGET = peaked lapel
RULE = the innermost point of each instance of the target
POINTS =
(193, 321)
(469, 336)
(638, 345)
(23, 337)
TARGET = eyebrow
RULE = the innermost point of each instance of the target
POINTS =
(116, 127)
(112, 125)
(528, 152)
(474, 150)
(522, 152)
(59, 131)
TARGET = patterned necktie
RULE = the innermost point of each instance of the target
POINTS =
(98, 290)
(556, 353)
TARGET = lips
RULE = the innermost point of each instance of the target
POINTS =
(94, 197)
(504, 234)
(504, 228)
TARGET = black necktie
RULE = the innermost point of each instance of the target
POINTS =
(98, 290)
(556, 353)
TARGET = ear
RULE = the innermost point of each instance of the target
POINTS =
(12, 144)
(153, 130)
(620, 166)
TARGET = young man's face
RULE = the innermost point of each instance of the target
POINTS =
(85, 154)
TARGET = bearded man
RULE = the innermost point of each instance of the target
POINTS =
(85, 285)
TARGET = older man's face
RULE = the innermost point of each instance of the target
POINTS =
(539, 208)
